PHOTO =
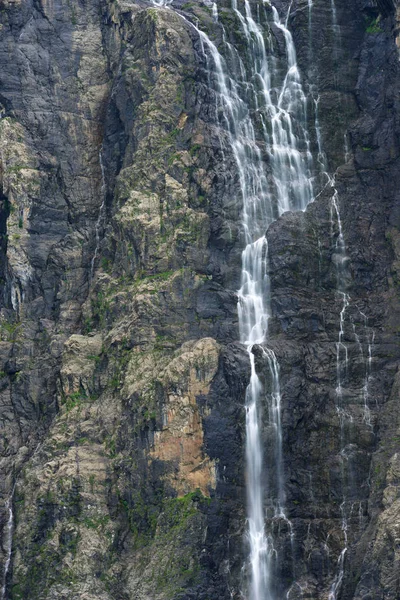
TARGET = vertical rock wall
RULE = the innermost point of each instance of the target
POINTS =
(122, 384)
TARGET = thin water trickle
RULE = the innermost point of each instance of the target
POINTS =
(15, 294)
(274, 409)
(321, 157)
(342, 361)
(310, 7)
(346, 145)
(335, 30)
(337, 582)
(100, 217)
(7, 542)
(340, 259)
(368, 372)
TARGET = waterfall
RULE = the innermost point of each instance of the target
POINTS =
(249, 93)
(260, 546)
(252, 309)
(290, 154)
(214, 9)
(100, 217)
(291, 165)
(291, 189)
(8, 542)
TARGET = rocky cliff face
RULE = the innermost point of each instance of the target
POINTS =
(122, 380)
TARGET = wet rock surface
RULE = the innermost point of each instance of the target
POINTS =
(122, 385)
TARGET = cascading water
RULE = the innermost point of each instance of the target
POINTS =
(291, 164)
(162, 2)
(280, 105)
(7, 543)
(253, 317)
(214, 9)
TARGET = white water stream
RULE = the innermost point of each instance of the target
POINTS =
(255, 88)
(161, 3)
(276, 93)
(281, 105)
(7, 542)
